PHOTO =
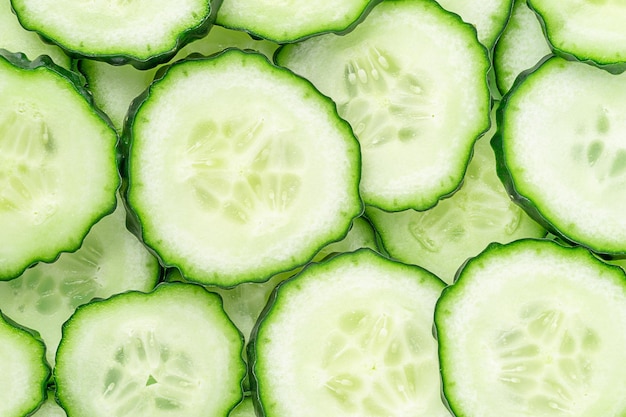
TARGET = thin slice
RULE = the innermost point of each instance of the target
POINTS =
(412, 81)
(533, 328)
(561, 152)
(239, 169)
(169, 352)
(351, 336)
(24, 373)
(58, 166)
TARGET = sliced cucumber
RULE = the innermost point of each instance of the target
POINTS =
(239, 169)
(590, 31)
(488, 16)
(24, 370)
(533, 328)
(169, 352)
(244, 409)
(142, 33)
(521, 46)
(50, 408)
(412, 81)
(561, 151)
(17, 39)
(442, 238)
(58, 167)
(349, 337)
(111, 260)
(290, 21)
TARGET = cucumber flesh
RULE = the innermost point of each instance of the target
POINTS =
(534, 328)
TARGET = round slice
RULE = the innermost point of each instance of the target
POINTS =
(561, 152)
(412, 81)
(58, 167)
(143, 33)
(169, 352)
(292, 20)
(349, 337)
(533, 328)
(24, 370)
(239, 169)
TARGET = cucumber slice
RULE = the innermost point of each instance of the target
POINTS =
(561, 152)
(349, 337)
(50, 408)
(111, 260)
(24, 370)
(290, 21)
(590, 31)
(412, 81)
(169, 352)
(533, 328)
(244, 409)
(488, 16)
(58, 167)
(141, 33)
(239, 169)
(442, 238)
(521, 46)
(16, 39)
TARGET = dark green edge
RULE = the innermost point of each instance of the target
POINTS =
(35, 337)
(504, 173)
(614, 67)
(134, 222)
(460, 278)
(185, 37)
(163, 286)
(77, 83)
(342, 30)
(406, 204)
(352, 257)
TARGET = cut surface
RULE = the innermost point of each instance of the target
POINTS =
(562, 145)
(411, 81)
(170, 352)
(249, 176)
(524, 331)
(350, 337)
(58, 172)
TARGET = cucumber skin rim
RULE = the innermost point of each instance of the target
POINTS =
(76, 82)
(612, 66)
(449, 291)
(161, 286)
(337, 31)
(359, 255)
(133, 221)
(184, 38)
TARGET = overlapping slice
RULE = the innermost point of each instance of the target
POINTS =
(239, 169)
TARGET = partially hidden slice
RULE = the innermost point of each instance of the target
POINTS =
(58, 166)
(239, 169)
(24, 373)
(351, 336)
(169, 352)
(533, 328)
(412, 81)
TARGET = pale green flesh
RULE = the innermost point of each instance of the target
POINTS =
(568, 177)
(58, 172)
(588, 30)
(288, 21)
(411, 81)
(132, 356)
(24, 371)
(351, 339)
(17, 39)
(111, 260)
(543, 347)
(442, 238)
(271, 161)
(50, 408)
(141, 29)
(520, 47)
